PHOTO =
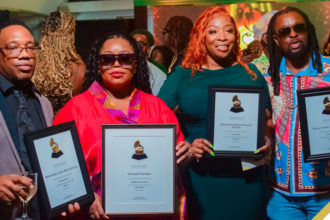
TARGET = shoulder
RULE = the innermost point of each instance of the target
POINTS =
(325, 59)
(180, 72)
(155, 71)
(79, 100)
(152, 100)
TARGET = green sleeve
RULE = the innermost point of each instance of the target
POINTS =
(168, 92)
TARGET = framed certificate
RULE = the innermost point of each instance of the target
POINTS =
(314, 114)
(56, 155)
(138, 169)
(236, 120)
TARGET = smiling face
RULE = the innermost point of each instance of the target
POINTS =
(117, 77)
(220, 38)
(19, 68)
(294, 44)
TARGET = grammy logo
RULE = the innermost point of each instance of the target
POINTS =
(56, 150)
(139, 151)
(236, 105)
(326, 103)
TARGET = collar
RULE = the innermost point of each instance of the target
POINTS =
(7, 86)
(308, 71)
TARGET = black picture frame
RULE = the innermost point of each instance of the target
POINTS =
(116, 137)
(219, 101)
(36, 151)
(314, 126)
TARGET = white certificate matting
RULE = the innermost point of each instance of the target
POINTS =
(62, 175)
(318, 125)
(138, 170)
(236, 130)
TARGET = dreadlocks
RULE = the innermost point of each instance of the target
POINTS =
(179, 28)
(275, 54)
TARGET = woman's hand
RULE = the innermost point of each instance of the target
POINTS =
(201, 146)
(183, 152)
(266, 147)
(96, 209)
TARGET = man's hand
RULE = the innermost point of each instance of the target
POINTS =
(10, 187)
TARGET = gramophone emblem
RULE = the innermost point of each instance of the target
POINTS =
(326, 103)
(236, 105)
(139, 151)
(56, 150)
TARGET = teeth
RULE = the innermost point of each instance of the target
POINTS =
(222, 47)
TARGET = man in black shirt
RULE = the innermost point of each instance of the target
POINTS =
(22, 109)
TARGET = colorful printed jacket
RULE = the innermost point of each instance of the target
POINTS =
(289, 173)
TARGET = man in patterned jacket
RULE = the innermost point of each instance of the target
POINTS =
(301, 189)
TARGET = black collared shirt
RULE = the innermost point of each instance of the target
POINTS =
(8, 107)
(9, 111)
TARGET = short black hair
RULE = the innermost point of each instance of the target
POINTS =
(4, 15)
(150, 37)
(11, 22)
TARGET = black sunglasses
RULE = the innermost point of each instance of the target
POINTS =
(126, 60)
(298, 28)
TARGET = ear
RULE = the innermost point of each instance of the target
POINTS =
(275, 38)
(148, 51)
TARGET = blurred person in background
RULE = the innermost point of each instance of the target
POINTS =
(60, 71)
(157, 75)
(162, 55)
(176, 37)
(260, 34)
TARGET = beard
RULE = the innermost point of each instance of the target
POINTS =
(297, 55)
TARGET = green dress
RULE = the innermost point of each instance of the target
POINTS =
(216, 188)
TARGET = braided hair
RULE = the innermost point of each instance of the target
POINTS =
(275, 54)
(53, 72)
(141, 77)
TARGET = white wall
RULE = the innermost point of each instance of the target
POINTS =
(36, 6)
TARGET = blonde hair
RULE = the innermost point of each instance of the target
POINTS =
(53, 71)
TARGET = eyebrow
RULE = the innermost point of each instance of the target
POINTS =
(14, 41)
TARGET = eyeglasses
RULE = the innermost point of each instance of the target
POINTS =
(13, 52)
(165, 31)
(126, 60)
(298, 28)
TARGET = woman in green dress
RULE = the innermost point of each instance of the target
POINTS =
(216, 188)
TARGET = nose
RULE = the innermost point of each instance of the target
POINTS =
(293, 33)
(116, 63)
(221, 36)
(24, 54)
